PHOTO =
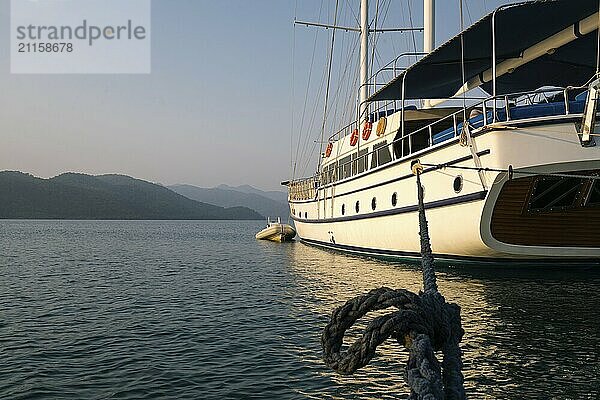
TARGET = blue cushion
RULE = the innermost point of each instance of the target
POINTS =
(521, 112)
(581, 96)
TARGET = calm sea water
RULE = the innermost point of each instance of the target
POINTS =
(201, 310)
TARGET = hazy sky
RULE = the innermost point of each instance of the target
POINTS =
(217, 107)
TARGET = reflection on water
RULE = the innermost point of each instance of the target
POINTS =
(529, 334)
(202, 310)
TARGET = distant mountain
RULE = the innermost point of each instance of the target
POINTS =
(276, 195)
(80, 196)
(227, 196)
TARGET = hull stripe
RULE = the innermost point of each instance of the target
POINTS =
(467, 198)
(447, 258)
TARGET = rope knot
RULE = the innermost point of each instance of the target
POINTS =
(422, 323)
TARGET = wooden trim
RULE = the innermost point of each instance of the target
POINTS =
(513, 223)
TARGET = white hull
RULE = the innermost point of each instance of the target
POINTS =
(459, 221)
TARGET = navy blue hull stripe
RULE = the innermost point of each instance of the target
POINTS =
(414, 256)
(467, 198)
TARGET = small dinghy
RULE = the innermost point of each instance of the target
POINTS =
(276, 232)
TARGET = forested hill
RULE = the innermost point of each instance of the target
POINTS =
(233, 197)
(80, 196)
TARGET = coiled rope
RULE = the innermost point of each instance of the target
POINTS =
(422, 323)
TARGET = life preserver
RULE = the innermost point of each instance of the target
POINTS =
(381, 125)
(354, 137)
(329, 149)
(367, 130)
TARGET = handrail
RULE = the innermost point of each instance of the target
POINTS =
(395, 61)
(374, 83)
(455, 122)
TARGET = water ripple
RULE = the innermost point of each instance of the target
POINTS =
(188, 310)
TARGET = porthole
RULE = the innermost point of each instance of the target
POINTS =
(343, 209)
(374, 203)
(357, 207)
(305, 215)
(394, 199)
(458, 184)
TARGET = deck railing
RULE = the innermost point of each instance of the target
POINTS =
(303, 189)
(493, 110)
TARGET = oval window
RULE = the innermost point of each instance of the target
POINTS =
(305, 215)
(343, 209)
(374, 203)
(357, 206)
(394, 199)
(458, 184)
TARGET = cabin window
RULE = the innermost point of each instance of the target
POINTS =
(357, 206)
(345, 168)
(305, 215)
(381, 154)
(332, 172)
(594, 197)
(554, 193)
(359, 161)
(329, 174)
(374, 203)
(394, 199)
(343, 209)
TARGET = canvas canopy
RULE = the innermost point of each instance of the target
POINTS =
(518, 28)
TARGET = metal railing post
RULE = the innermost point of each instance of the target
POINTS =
(455, 124)
(430, 136)
(485, 113)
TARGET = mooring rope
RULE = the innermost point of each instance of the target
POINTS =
(423, 323)
(512, 172)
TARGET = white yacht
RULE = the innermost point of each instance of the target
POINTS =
(512, 176)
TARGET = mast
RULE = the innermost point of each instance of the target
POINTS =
(428, 26)
(428, 33)
(364, 58)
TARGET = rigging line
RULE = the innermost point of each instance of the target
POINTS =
(462, 57)
(346, 66)
(343, 75)
(383, 21)
(292, 162)
(353, 13)
(311, 126)
(309, 144)
(510, 170)
(375, 36)
(414, 39)
(468, 12)
(345, 45)
(598, 51)
(329, 75)
(343, 67)
(350, 112)
(312, 61)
